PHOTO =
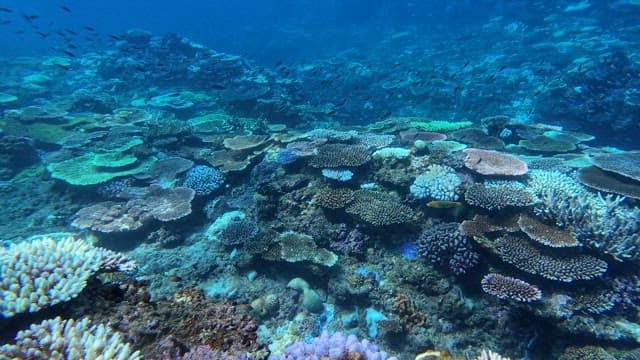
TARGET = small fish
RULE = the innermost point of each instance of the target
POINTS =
(218, 87)
(65, 9)
(278, 63)
(41, 35)
(331, 112)
(19, 32)
(443, 204)
(89, 28)
(6, 10)
(68, 53)
(580, 68)
(342, 102)
(5, 22)
(71, 45)
(466, 64)
(457, 88)
(63, 67)
(502, 68)
(537, 93)
(114, 37)
(539, 71)
(386, 115)
(71, 32)
(491, 77)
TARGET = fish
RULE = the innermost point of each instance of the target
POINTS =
(71, 32)
(491, 77)
(331, 112)
(386, 114)
(443, 204)
(41, 35)
(466, 64)
(218, 87)
(114, 37)
(64, 67)
(88, 28)
(6, 10)
(68, 53)
(5, 22)
(502, 68)
(580, 68)
(65, 9)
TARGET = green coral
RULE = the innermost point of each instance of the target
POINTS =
(439, 125)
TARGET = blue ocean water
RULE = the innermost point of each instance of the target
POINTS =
(339, 179)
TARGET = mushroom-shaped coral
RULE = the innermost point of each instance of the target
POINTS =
(626, 164)
(567, 268)
(546, 234)
(505, 287)
(609, 182)
(488, 162)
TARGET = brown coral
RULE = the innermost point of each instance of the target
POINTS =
(379, 209)
(339, 155)
(331, 198)
(546, 234)
(519, 252)
(488, 162)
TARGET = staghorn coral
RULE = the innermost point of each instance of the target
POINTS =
(444, 244)
(378, 208)
(498, 196)
(601, 222)
(505, 287)
(46, 271)
(437, 182)
(58, 339)
(490, 355)
(519, 252)
(340, 155)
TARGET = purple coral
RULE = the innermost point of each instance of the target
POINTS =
(333, 347)
(444, 244)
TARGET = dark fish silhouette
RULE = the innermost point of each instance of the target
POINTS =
(65, 9)
(114, 37)
(89, 28)
(68, 53)
(63, 67)
(5, 10)
(5, 22)
(217, 87)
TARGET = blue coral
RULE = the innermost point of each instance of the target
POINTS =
(203, 179)
(438, 182)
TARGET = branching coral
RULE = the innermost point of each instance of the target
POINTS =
(58, 339)
(46, 271)
(602, 222)
(444, 244)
